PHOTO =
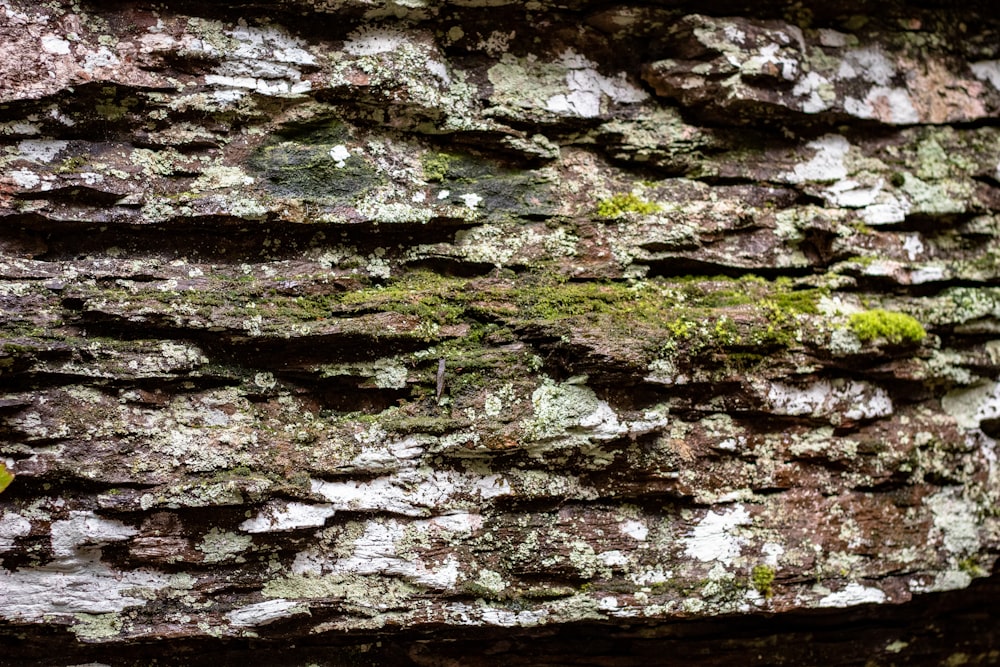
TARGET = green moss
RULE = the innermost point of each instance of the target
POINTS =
(618, 205)
(895, 328)
(71, 164)
(762, 579)
(971, 567)
(436, 165)
(427, 295)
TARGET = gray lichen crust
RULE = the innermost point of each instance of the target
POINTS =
(417, 314)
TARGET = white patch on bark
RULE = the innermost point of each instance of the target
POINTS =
(890, 105)
(830, 399)
(40, 150)
(713, 538)
(853, 594)
(280, 515)
(826, 165)
(969, 407)
(266, 612)
(461, 613)
(76, 581)
(412, 492)
(866, 64)
(635, 529)
(55, 45)
(987, 70)
(587, 86)
(12, 526)
(377, 551)
(955, 518)
(371, 41)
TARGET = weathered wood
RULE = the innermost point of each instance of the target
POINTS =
(428, 332)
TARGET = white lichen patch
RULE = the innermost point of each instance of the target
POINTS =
(262, 613)
(55, 45)
(772, 553)
(76, 581)
(266, 60)
(40, 150)
(566, 413)
(826, 165)
(25, 178)
(12, 526)
(853, 594)
(969, 407)
(818, 90)
(571, 86)
(637, 530)
(413, 491)
(949, 580)
(830, 399)
(715, 537)
(368, 41)
(281, 515)
(471, 200)
(384, 548)
(339, 154)
(866, 64)
(461, 613)
(987, 70)
(587, 87)
(955, 520)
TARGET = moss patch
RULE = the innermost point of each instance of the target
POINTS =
(762, 579)
(618, 205)
(896, 328)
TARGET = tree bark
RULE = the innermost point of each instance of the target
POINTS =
(423, 332)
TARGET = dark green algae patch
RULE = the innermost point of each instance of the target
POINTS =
(505, 192)
(319, 162)
(301, 162)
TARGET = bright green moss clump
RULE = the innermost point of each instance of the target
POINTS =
(896, 328)
(762, 578)
(620, 204)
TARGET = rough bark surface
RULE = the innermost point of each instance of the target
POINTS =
(412, 331)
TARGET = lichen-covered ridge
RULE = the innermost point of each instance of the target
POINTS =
(372, 315)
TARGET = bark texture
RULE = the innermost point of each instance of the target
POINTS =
(471, 332)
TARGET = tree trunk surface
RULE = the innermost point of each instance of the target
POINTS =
(483, 332)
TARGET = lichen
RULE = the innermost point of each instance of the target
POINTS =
(96, 627)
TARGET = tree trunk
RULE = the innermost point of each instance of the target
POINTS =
(482, 332)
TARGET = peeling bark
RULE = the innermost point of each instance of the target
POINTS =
(424, 332)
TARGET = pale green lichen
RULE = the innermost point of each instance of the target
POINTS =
(97, 626)
(219, 546)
